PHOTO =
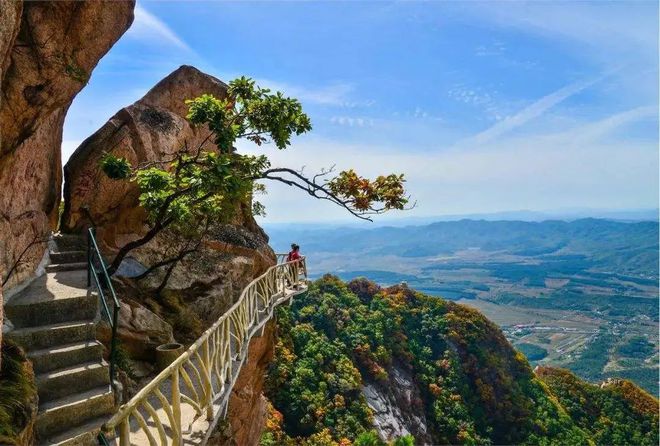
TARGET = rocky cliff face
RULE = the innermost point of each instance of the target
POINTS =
(397, 407)
(47, 53)
(47, 59)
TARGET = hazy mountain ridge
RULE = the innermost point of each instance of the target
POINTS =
(629, 247)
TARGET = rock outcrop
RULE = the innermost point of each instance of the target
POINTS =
(151, 129)
(139, 331)
(394, 407)
(18, 417)
(205, 284)
(47, 58)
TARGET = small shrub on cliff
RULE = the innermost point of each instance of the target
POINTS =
(18, 393)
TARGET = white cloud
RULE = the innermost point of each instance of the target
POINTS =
(595, 130)
(605, 34)
(478, 98)
(496, 48)
(148, 27)
(627, 28)
(530, 112)
(336, 94)
(352, 121)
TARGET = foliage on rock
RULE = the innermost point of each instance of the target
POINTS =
(18, 394)
(476, 389)
(615, 413)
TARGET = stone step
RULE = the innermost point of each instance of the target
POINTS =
(70, 242)
(57, 416)
(48, 312)
(53, 298)
(34, 338)
(77, 378)
(55, 267)
(62, 356)
(82, 435)
(68, 256)
(51, 286)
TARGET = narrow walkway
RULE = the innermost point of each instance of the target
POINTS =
(54, 322)
(184, 402)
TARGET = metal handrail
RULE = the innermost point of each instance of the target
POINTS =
(95, 273)
(206, 368)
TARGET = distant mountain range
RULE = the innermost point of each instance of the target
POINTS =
(628, 215)
(630, 248)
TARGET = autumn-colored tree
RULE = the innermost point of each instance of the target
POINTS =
(201, 186)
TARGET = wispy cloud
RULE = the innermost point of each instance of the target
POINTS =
(606, 27)
(530, 112)
(496, 48)
(147, 26)
(337, 94)
(352, 121)
(477, 97)
(542, 171)
(595, 130)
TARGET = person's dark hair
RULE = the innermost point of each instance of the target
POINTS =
(295, 247)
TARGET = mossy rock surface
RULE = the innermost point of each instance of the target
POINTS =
(18, 396)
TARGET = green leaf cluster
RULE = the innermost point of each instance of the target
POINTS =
(249, 112)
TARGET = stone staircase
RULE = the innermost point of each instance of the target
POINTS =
(54, 320)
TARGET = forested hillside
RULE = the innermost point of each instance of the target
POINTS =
(340, 344)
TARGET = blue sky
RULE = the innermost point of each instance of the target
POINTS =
(485, 107)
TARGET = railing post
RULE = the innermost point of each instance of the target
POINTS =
(125, 433)
(113, 343)
(89, 259)
(176, 407)
(208, 387)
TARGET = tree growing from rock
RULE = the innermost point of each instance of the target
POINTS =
(206, 184)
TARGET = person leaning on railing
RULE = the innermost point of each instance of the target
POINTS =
(294, 255)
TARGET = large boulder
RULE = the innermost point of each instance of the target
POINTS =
(47, 59)
(139, 330)
(152, 129)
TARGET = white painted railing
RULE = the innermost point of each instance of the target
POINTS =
(185, 401)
